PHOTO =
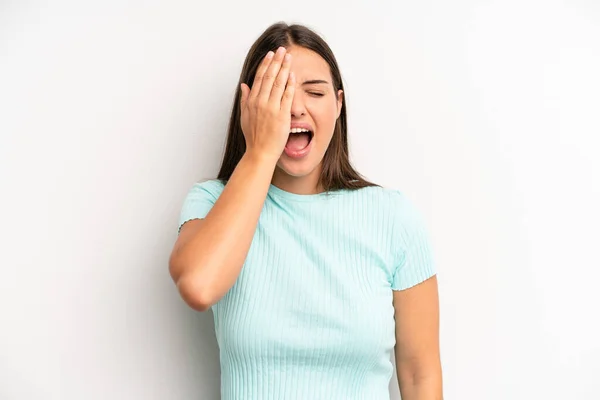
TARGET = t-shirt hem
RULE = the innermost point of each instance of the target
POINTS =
(417, 280)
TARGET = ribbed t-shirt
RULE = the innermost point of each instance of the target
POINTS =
(310, 315)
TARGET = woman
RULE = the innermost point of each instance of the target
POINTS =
(314, 274)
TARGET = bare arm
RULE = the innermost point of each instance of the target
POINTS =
(417, 350)
(208, 255)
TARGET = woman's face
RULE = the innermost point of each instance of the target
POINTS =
(316, 105)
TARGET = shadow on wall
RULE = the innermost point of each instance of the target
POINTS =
(202, 357)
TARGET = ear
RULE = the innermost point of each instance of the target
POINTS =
(340, 100)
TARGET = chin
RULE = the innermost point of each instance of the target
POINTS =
(295, 168)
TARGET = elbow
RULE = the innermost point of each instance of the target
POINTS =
(194, 293)
(420, 378)
(190, 287)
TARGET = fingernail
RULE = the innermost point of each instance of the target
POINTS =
(281, 49)
(287, 57)
(270, 54)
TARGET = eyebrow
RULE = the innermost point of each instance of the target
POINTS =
(314, 82)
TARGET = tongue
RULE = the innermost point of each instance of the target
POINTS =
(297, 141)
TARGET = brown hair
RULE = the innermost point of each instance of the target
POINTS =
(337, 172)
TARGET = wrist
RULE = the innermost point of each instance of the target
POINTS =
(260, 159)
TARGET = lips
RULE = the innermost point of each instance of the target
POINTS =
(299, 140)
(298, 152)
(301, 125)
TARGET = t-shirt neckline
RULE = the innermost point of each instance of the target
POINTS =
(274, 190)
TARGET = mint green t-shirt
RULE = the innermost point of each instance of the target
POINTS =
(310, 316)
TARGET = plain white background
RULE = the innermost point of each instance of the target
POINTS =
(486, 113)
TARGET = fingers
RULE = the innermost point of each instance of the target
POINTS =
(260, 72)
(281, 80)
(288, 94)
(270, 75)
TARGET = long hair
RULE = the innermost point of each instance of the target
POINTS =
(337, 172)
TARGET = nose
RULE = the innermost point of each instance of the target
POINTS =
(298, 107)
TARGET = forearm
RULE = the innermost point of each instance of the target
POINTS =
(207, 261)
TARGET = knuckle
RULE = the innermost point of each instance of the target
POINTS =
(261, 104)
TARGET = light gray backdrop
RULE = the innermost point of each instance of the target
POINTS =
(484, 112)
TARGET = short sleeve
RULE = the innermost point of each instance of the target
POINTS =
(414, 261)
(199, 200)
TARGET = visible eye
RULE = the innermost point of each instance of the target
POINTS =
(316, 94)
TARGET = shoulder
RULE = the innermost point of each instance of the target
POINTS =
(392, 203)
(199, 200)
(384, 196)
(211, 188)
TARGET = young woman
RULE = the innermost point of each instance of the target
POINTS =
(314, 275)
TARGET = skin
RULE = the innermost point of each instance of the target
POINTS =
(209, 253)
(317, 103)
(417, 350)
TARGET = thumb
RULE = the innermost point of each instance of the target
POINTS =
(245, 91)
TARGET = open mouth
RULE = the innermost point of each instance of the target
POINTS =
(299, 139)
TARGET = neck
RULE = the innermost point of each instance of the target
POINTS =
(308, 184)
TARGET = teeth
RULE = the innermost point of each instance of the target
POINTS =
(298, 130)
